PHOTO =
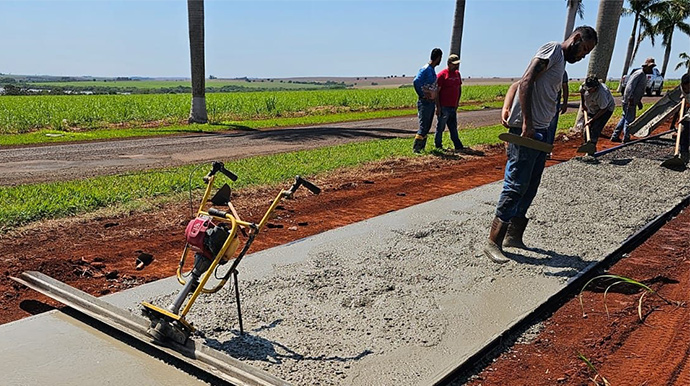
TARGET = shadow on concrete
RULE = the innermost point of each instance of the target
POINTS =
(252, 347)
(573, 264)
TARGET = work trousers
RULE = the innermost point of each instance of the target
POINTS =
(597, 126)
(523, 173)
(425, 113)
(449, 117)
(629, 112)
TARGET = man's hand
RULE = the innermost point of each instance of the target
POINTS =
(527, 130)
(640, 105)
(438, 111)
(564, 108)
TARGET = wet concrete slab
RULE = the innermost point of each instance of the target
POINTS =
(56, 349)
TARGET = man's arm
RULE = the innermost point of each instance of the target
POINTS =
(564, 91)
(536, 67)
(508, 103)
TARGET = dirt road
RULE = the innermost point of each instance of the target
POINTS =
(85, 159)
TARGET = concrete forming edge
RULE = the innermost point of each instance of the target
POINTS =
(195, 354)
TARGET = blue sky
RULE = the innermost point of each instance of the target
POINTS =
(262, 38)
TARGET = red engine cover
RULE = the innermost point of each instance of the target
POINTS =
(196, 232)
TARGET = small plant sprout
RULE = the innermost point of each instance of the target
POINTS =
(621, 280)
(598, 379)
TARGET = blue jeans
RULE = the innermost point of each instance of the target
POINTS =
(425, 113)
(553, 125)
(523, 173)
(629, 111)
(449, 116)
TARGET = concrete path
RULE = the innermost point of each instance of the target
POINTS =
(396, 299)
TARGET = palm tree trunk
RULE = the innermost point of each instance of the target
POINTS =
(628, 55)
(667, 54)
(607, 28)
(195, 14)
(458, 22)
(573, 5)
(600, 60)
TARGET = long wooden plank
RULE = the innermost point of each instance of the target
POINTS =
(193, 353)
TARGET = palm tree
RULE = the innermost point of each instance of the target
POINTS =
(671, 15)
(195, 14)
(458, 21)
(575, 8)
(600, 59)
(639, 8)
(607, 26)
(685, 62)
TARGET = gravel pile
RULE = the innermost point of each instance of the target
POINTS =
(412, 294)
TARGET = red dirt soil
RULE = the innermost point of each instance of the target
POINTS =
(98, 256)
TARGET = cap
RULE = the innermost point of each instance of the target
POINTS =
(591, 81)
(452, 58)
(649, 62)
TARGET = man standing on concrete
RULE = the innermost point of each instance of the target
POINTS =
(632, 97)
(425, 86)
(598, 101)
(449, 92)
(530, 115)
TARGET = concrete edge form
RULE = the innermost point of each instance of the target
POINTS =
(197, 355)
(492, 349)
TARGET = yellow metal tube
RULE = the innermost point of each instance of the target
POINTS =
(271, 209)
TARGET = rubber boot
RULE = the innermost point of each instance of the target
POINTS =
(685, 156)
(493, 248)
(516, 228)
(419, 143)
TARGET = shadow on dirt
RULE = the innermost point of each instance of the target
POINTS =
(34, 307)
(249, 346)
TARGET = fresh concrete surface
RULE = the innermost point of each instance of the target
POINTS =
(55, 349)
(399, 298)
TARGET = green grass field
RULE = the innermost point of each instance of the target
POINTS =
(22, 114)
(165, 84)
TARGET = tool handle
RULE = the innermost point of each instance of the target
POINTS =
(220, 167)
(586, 125)
(680, 125)
(299, 181)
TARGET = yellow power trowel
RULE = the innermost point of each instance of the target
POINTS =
(213, 237)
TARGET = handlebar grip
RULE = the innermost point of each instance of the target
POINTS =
(217, 212)
(232, 176)
(312, 188)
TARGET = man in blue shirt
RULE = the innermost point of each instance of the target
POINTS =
(425, 86)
